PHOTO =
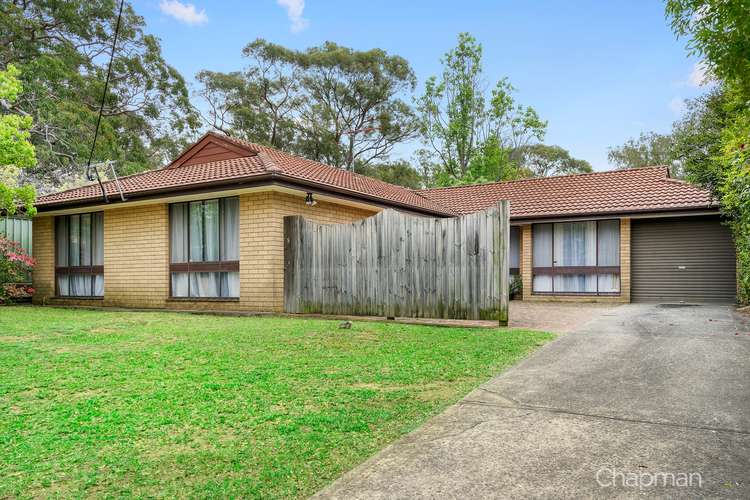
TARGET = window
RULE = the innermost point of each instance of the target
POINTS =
(577, 258)
(204, 248)
(79, 255)
(515, 240)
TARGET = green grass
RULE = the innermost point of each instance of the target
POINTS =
(159, 404)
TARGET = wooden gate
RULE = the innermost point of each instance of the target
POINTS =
(393, 264)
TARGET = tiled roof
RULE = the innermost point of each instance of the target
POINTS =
(620, 191)
(260, 160)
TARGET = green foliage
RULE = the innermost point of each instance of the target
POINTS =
(400, 173)
(648, 150)
(541, 160)
(128, 404)
(735, 193)
(16, 151)
(15, 267)
(463, 129)
(718, 31)
(62, 49)
(715, 137)
(330, 103)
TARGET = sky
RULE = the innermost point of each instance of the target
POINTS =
(600, 72)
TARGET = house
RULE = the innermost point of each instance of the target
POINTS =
(206, 231)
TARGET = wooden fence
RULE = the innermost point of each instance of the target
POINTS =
(394, 264)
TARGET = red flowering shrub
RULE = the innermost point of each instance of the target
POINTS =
(15, 266)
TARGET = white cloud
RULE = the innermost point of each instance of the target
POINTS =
(184, 12)
(677, 105)
(699, 76)
(294, 10)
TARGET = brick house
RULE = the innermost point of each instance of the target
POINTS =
(206, 231)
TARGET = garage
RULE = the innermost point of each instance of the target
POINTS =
(682, 259)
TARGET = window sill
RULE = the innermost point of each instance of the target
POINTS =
(203, 299)
(575, 294)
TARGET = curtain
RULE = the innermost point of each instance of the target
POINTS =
(575, 283)
(85, 226)
(609, 243)
(211, 240)
(205, 284)
(63, 285)
(515, 239)
(79, 241)
(97, 228)
(74, 231)
(230, 223)
(609, 283)
(205, 231)
(230, 284)
(542, 256)
(62, 241)
(180, 284)
(178, 227)
(575, 244)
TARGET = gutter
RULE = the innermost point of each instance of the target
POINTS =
(272, 178)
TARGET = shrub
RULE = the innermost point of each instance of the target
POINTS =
(15, 266)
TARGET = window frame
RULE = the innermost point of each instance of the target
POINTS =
(219, 266)
(567, 270)
(91, 270)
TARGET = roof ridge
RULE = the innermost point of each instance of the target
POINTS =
(532, 179)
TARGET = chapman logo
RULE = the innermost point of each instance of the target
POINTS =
(608, 478)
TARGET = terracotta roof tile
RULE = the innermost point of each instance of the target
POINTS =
(619, 191)
(260, 160)
(622, 191)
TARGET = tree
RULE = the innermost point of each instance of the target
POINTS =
(62, 49)
(329, 103)
(399, 172)
(459, 122)
(16, 152)
(648, 150)
(542, 160)
(697, 137)
(718, 31)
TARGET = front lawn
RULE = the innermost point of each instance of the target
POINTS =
(161, 404)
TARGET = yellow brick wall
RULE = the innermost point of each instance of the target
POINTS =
(262, 243)
(625, 258)
(43, 250)
(136, 254)
(527, 275)
(526, 261)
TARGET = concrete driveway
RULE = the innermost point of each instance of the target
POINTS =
(642, 400)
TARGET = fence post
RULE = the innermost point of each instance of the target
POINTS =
(503, 260)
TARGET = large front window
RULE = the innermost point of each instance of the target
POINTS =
(79, 255)
(577, 258)
(204, 256)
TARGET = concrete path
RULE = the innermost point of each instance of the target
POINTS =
(644, 400)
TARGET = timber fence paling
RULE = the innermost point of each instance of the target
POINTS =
(393, 264)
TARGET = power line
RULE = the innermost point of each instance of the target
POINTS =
(101, 106)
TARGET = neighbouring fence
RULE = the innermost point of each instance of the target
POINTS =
(17, 229)
(393, 264)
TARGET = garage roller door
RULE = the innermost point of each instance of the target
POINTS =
(687, 259)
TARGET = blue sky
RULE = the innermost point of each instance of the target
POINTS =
(599, 71)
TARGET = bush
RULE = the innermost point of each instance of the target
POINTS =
(15, 266)
(516, 287)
